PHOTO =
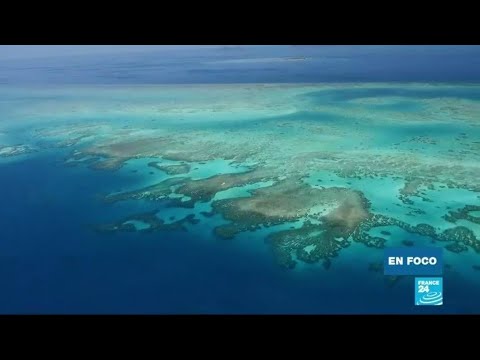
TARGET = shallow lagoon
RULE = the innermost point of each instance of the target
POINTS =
(382, 140)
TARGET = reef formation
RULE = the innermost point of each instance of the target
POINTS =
(15, 150)
(324, 165)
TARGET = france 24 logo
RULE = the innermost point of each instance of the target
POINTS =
(429, 291)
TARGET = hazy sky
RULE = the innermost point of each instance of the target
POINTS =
(36, 51)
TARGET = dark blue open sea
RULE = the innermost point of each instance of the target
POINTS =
(52, 262)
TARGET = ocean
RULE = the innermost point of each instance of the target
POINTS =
(324, 127)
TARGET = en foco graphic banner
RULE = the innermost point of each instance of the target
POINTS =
(413, 261)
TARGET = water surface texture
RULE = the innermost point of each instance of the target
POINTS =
(266, 197)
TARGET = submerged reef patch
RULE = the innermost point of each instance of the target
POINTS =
(15, 150)
(171, 169)
(322, 240)
(292, 199)
(111, 164)
(196, 190)
(332, 217)
(339, 212)
(158, 191)
(148, 221)
(412, 187)
(463, 214)
(370, 136)
(462, 237)
(205, 189)
(176, 148)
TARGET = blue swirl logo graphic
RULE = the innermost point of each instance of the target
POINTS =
(432, 298)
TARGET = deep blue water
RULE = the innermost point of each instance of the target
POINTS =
(215, 65)
(51, 262)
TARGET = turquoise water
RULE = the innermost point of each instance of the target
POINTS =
(371, 138)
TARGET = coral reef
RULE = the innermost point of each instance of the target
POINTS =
(323, 242)
(171, 169)
(205, 189)
(412, 188)
(462, 237)
(312, 136)
(292, 199)
(339, 210)
(158, 191)
(15, 150)
(463, 213)
(197, 190)
(111, 164)
(170, 148)
(151, 221)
